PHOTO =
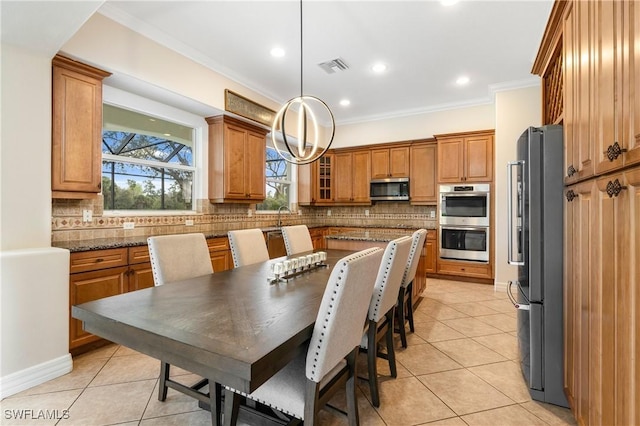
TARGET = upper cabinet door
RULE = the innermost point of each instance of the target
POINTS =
(390, 162)
(479, 158)
(399, 162)
(423, 186)
(237, 158)
(465, 157)
(450, 160)
(76, 157)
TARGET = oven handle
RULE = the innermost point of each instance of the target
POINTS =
(463, 194)
(465, 228)
(510, 258)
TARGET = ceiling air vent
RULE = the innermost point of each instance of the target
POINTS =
(334, 65)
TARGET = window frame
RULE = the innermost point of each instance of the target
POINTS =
(164, 111)
(292, 181)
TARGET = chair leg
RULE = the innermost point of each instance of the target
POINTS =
(401, 316)
(215, 402)
(391, 354)
(410, 306)
(352, 399)
(311, 402)
(231, 407)
(372, 354)
(164, 376)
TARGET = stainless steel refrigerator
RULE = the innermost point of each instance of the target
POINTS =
(535, 246)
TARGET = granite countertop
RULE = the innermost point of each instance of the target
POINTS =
(381, 236)
(120, 242)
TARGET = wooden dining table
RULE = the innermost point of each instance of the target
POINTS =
(235, 327)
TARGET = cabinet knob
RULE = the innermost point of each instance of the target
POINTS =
(614, 151)
(571, 170)
(98, 260)
(614, 188)
(571, 195)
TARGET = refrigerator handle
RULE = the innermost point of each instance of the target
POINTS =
(516, 304)
(510, 167)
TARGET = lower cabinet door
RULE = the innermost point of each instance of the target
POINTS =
(88, 286)
(140, 276)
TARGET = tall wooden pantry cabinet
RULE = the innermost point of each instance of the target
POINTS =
(589, 62)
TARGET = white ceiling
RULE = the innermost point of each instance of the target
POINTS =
(425, 45)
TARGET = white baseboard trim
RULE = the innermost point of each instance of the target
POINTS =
(500, 286)
(33, 376)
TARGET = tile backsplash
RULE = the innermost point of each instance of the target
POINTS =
(67, 223)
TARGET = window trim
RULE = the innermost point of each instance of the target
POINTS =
(165, 111)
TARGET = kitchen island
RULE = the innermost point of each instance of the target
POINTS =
(363, 239)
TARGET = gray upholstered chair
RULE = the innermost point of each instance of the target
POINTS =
(303, 386)
(174, 258)
(247, 247)
(382, 310)
(405, 299)
(297, 239)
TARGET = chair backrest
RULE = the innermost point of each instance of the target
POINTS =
(343, 312)
(178, 257)
(418, 238)
(297, 239)
(247, 247)
(389, 279)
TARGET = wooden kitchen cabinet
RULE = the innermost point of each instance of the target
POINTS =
(220, 253)
(390, 162)
(465, 157)
(422, 186)
(316, 181)
(352, 176)
(601, 322)
(431, 251)
(140, 274)
(94, 275)
(76, 129)
(237, 156)
(601, 61)
(317, 238)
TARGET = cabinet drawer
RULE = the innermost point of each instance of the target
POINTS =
(97, 259)
(464, 269)
(432, 234)
(218, 244)
(139, 254)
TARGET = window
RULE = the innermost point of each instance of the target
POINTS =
(147, 162)
(278, 174)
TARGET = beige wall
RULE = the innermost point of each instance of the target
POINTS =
(515, 111)
(34, 278)
(108, 45)
(417, 126)
(25, 168)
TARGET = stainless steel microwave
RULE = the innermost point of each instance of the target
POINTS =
(389, 189)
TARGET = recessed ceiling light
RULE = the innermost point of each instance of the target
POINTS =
(448, 2)
(462, 80)
(379, 68)
(277, 52)
(345, 102)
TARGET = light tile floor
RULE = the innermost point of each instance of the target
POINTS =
(460, 368)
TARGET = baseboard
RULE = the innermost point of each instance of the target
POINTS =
(33, 376)
(500, 286)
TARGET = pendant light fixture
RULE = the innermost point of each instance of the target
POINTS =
(307, 112)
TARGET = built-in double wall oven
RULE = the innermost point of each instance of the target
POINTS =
(464, 222)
